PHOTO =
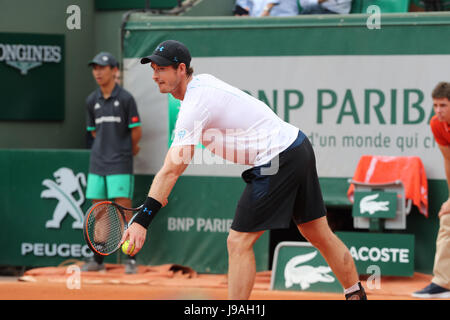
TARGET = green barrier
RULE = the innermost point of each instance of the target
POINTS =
(190, 230)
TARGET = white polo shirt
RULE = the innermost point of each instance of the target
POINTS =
(230, 123)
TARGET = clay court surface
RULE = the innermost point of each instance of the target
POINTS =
(172, 282)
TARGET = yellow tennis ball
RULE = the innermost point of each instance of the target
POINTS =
(125, 247)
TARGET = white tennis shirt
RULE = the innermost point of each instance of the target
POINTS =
(230, 123)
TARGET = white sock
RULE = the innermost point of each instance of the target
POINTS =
(353, 288)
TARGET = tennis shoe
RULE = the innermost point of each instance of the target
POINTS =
(92, 265)
(432, 291)
(358, 294)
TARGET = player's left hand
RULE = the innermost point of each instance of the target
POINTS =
(136, 234)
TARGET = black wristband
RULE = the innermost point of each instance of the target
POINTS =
(147, 212)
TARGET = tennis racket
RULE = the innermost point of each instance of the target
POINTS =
(104, 225)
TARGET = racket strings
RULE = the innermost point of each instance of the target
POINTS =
(105, 228)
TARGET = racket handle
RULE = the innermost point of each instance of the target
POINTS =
(132, 219)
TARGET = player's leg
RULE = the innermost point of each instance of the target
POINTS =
(127, 203)
(241, 263)
(96, 191)
(266, 203)
(310, 217)
(121, 188)
(130, 262)
(334, 251)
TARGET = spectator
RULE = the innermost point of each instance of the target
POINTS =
(114, 123)
(242, 8)
(285, 8)
(440, 126)
(433, 5)
(325, 6)
(257, 7)
(281, 8)
(337, 6)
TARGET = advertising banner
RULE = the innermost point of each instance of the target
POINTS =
(376, 204)
(392, 253)
(32, 76)
(43, 206)
(298, 266)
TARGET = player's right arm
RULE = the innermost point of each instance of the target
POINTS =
(176, 161)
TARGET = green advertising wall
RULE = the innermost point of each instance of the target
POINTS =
(42, 195)
(35, 62)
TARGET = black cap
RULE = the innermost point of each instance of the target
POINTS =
(169, 52)
(104, 59)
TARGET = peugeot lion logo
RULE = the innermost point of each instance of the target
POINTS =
(66, 183)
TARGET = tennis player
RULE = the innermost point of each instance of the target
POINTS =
(282, 183)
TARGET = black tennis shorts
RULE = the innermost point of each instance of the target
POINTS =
(270, 201)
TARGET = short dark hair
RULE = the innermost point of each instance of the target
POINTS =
(442, 90)
(189, 70)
